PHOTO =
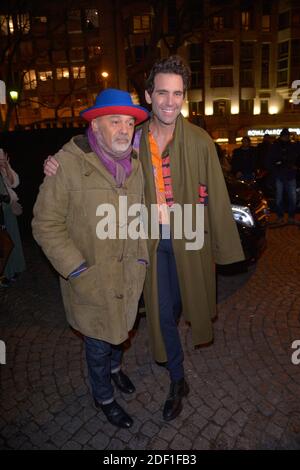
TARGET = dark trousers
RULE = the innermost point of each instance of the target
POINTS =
(102, 359)
(290, 187)
(169, 307)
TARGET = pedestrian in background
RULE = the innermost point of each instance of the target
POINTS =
(16, 261)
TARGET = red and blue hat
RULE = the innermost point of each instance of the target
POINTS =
(112, 101)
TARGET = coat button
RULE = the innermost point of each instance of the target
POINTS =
(119, 296)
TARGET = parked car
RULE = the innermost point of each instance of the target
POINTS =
(250, 211)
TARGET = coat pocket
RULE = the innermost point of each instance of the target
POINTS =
(86, 288)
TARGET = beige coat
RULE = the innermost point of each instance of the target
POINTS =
(102, 302)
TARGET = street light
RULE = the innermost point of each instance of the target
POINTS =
(14, 96)
(105, 76)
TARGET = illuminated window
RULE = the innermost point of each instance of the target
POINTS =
(79, 72)
(45, 75)
(23, 22)
(246, 20)
(7, 25)
(218, 23)
(29, 80)
(62, 72)
(141, 24)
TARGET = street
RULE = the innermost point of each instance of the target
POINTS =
(244, 389)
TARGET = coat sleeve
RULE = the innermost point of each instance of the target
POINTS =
(225, 238)
(49, 225)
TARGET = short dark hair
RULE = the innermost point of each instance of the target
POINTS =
(173, 64)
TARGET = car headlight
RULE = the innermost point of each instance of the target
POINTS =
(242, 215)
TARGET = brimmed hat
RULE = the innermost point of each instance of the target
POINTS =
(112, 101)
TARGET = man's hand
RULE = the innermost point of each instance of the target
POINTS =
(50, 166)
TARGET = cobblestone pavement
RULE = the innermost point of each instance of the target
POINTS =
(245, 391)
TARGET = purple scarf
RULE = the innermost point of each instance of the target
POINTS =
(119, 166)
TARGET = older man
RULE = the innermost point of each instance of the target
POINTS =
(101, 276)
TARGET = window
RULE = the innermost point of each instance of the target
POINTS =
(74, 21)
(246, 106)
(91, 19)
(141, 24)
(29, 80)
(94, 51)
(282, 63)
(246, 20)
(218, 23)
(23, 22)
(221, 53)
(247, 50)
(26, 49)
(247, 64)
(59, 56)
(79, 72)
(265, 60)
(172, 16)
(221, 107)
(221, 78)
(284, 20)
(246, 75)
(45, 75)
(62, 72)
(196, 65)
(296, 18)
(295, 53)
(196, 108)
(39, 19)
(266, 23)
(140, 52)
(7, 24)
(76, 54)
(264, 106)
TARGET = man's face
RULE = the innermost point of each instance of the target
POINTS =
(167, 97)
(116, 131)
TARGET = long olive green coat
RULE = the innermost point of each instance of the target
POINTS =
(102, 302)
(194, 164)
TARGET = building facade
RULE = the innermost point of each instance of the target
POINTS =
(57, 57)
(244, 56)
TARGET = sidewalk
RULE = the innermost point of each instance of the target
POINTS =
(245, 391)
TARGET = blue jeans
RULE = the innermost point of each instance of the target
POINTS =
(290, 187)
(102, 359)
(169, 307)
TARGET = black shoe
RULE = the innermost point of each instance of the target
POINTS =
(115, 414)
(173, 405)
(123, 382)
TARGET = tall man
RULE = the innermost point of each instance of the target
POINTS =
(181, 166)
(101, 277)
